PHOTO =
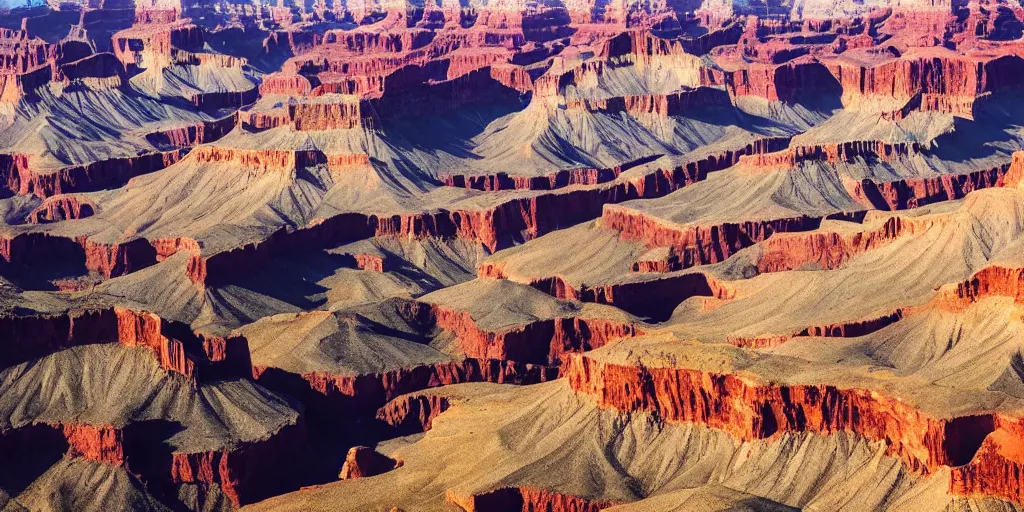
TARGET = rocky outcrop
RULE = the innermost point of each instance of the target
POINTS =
(541, 342)
(327, 395)
(257, 162)
(654, 298)
(61, 207)
(363, 462)
(942, 82)
(786, 82)
(17, 175)
(412, 413)
(176, 347)
(555, 180)
(991, 281)
(834, 153)
(915, 192)
(830, 250)
(749, 411)
(195, 134)
(102, 444)
(523, 498)
(697, 244)
(247, 473)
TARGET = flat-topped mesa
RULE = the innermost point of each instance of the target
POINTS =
(834, 153)
(100, 70)
(540, 342)
(496, 227)
(18, 176)
(404, 95)
(512, 76)
(146, 46)
(787, 82)
(749, 410)
(258, 162)
(938, 81)
(698, 244)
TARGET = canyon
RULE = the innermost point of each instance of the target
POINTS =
(561, 256)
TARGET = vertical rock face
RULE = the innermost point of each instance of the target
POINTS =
(18, 177)
(749, 411)
(541, 342)
(523, 499)
(412, 413)
(698, 245)
(362, 462)
(102, 444)
(60, 208)
(245, 474)
(792, 251)
(333, 394)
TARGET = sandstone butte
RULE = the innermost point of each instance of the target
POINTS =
(512, 256)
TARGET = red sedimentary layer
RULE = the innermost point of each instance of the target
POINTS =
(655, 298)
(371, 262)
(830, 250)
(160, 39)
(495, 228)
(102, 444)
(998, 467)
(943, 82)
(325, 116)
(195, 134)
(786, 82)
(17, 176)
(331, 394)
(61, 207)
(246, 473)
(984, 449)
(991, 281)
(555, 180)
(412, 413)
(539, 342)
(750, 411)
(833, 153)
(664, 105)
(175, 346)
(363, 462)
(525, 499)
(696, 244)
(257, 162)
(915, 192)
